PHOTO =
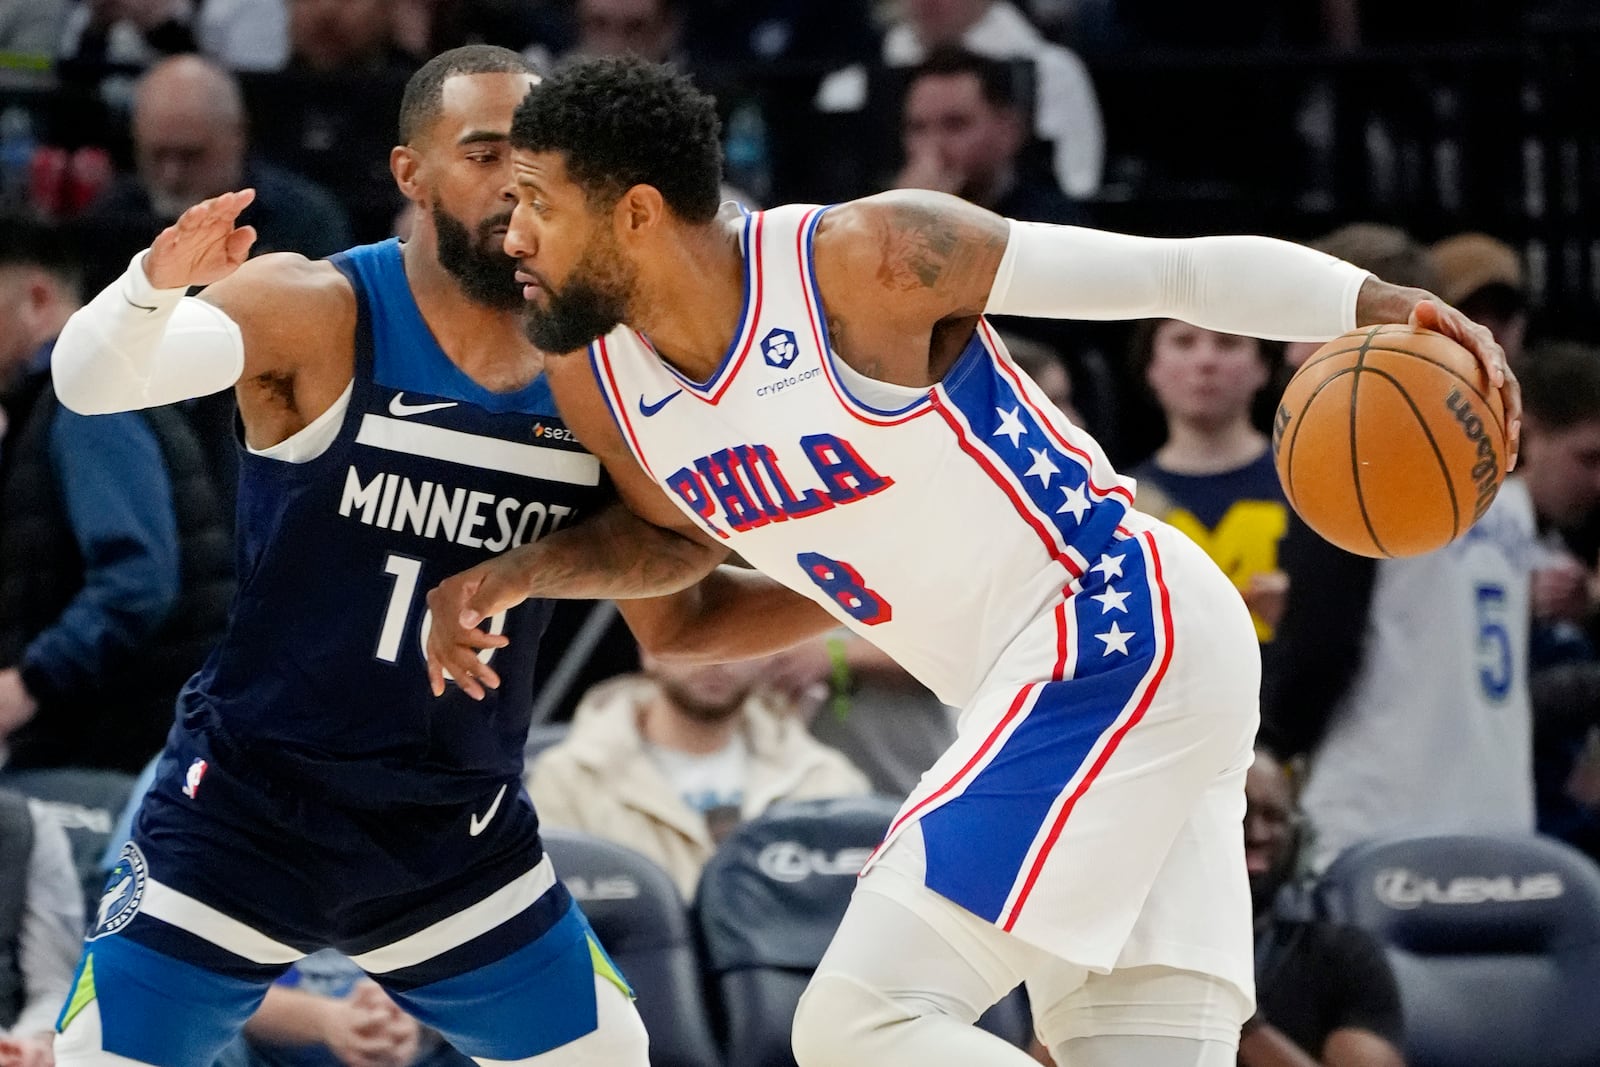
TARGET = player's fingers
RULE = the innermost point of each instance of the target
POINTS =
(239, 242)
(483, 639)
(435, 672)
(486, 675)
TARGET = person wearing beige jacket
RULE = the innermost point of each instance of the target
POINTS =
(667, 762)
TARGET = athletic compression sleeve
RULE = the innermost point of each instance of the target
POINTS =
(1248, 285)
(135, 346)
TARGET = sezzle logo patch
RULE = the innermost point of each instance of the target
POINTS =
(124, 893)
(556, 434)
(779, 349)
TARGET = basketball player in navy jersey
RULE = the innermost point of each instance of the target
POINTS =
(817, 389)
(396, 429)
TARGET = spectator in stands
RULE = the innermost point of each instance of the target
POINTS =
(41, 929)
(332, 118)
(1325, 994)
(344, 37)
(32, 28)
(1566, 752)
(1560, 463)
(536, 28)
(1483, 277)
(1066, 113)
(190, 143)
(668, 762)
(240, 34)
(963, 130)
(1215, 468)
(115, 564)
(651, 29)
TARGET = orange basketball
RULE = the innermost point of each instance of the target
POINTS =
(1390, 441)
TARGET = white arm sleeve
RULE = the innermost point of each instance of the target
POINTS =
(1247, 285)
(135, 346)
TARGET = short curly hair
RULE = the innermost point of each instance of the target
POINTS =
(621, 122)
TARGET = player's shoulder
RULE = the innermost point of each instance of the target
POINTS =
(927, 247)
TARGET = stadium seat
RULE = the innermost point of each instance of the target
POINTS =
(769, 902)
(1495, 943)
(542, 736)
(643, 923)
(86, 802)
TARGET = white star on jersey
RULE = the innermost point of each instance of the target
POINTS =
(1043, 467)
(1010, 424)
(1111, 600)
(1110, 566)
(1116, 639)
(1076, 502)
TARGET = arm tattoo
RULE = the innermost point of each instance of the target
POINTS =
(616, 556)
(930, 247)
(917, 246)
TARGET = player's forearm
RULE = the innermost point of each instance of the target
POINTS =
(1264, 1045)
(614, 556)
(730, 614)
(290, 1017)
(1246, 285)
(135, 346)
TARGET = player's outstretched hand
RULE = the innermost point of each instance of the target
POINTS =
(204, 245)
(458, 605)
(1440, 317)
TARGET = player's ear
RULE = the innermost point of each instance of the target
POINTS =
(404, 163)
(640, 209)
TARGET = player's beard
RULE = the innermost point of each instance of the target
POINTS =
(692, 706)
(478, 262)
(593, 302)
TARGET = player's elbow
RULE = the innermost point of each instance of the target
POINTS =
(77, 377)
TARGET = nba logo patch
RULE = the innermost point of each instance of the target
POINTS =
(124, 893)
(778, 348)
(191, 780)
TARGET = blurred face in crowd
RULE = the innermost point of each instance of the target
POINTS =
(707, 692)
(948, 118)
(1204, 377)
(645, 28)
(1268, 830)
(24, 296)
(330, 35)
(937, 22)
(1561, 468)
(460, 169)
(188, 134)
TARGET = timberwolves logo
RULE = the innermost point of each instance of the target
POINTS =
(778, 348)
(124, 893)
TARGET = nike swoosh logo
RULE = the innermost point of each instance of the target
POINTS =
(141, 307)
(650, 409)
(400, 409)
(477, 826)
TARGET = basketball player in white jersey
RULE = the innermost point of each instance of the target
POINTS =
(817, 390)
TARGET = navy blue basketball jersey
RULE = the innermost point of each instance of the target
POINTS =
(321, 676)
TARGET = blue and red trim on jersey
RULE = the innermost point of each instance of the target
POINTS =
(919, 406)
(1017, 791)
(744, 338)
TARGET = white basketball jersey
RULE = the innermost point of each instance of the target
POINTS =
(938, 528)
(1435, 733)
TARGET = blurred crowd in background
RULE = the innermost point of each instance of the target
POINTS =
(1447, 145)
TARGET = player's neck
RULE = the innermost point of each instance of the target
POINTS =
(478, 339)
(690, 300)
(1210, 448)
(662, 724)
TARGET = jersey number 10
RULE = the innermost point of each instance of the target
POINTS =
(407, 573)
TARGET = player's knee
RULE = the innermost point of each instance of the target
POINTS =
(841, 1023)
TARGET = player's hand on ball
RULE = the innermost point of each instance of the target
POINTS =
(1436, 315)
(458, 604)
(204, 245)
